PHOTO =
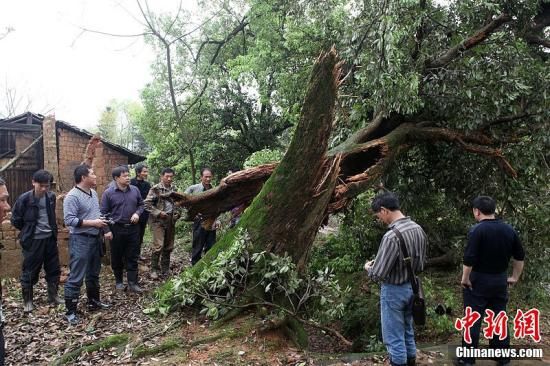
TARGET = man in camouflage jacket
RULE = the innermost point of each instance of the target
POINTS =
(163, 216)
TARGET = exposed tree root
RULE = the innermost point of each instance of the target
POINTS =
(111, 341)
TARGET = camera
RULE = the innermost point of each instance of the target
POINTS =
(106, 219)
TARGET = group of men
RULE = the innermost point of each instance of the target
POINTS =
(491, 244)
(121, 217)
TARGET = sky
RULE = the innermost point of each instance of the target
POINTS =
(50, 64)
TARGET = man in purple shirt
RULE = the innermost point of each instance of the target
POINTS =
(122, 204)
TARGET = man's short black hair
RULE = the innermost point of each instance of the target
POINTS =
(485, 204)
(139, 168)
(117, 172)
(387, 200)
(205, 169)
(81, 171)
(42, 176)
(167, 170)
(2, 182)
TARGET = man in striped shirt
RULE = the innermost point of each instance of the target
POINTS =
(82, 217)
(389, 268)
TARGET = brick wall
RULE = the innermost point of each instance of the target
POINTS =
(49, 141)
(105, 160)
(71, 154)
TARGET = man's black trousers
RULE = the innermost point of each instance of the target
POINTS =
(38, 252)
(202, 240)
(489, 291)
(125, 251)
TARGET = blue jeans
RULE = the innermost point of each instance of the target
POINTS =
(397, 322)
(85, 261)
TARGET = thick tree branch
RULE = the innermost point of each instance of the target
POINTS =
(359, 167)
(506, 119)
(468, 43)
(240, 27)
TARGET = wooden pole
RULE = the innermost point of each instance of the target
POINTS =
(16, 157)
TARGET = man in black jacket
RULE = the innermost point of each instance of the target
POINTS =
(34, 215)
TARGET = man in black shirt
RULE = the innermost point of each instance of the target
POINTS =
(140, 181)
(491, 244)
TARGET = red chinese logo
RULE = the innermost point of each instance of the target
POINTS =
(527, 324)
(467, 322)
(496, 326)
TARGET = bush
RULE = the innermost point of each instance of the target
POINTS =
(263, 157)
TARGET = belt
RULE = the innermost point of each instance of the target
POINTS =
(123, 225)
(87, 235)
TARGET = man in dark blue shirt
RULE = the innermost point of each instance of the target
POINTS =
(485, 281)
(123, 205)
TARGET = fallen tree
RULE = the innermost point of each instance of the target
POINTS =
(290, 200)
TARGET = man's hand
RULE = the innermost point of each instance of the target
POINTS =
(369, 265)
(134, 219)
(512, 281)
(217, 225)
(108, 236)
(163, 215)
(98, 223)
(465, 283)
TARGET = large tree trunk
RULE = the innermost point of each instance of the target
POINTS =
(290, 200)
(286, 214)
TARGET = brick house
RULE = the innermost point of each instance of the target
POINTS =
(29, 142)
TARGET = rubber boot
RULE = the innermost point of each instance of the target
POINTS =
(28, 306)
(93, 300)
(165, 264)
(119, 283)
(53, 298)
(133, 282)
(71, 315)
(155, 266)
(411, 361)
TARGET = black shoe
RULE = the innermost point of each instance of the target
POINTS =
(93, 300)
(119, 286)
(95, 304)
(28, 305)
(134, 287)
(411, 361)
